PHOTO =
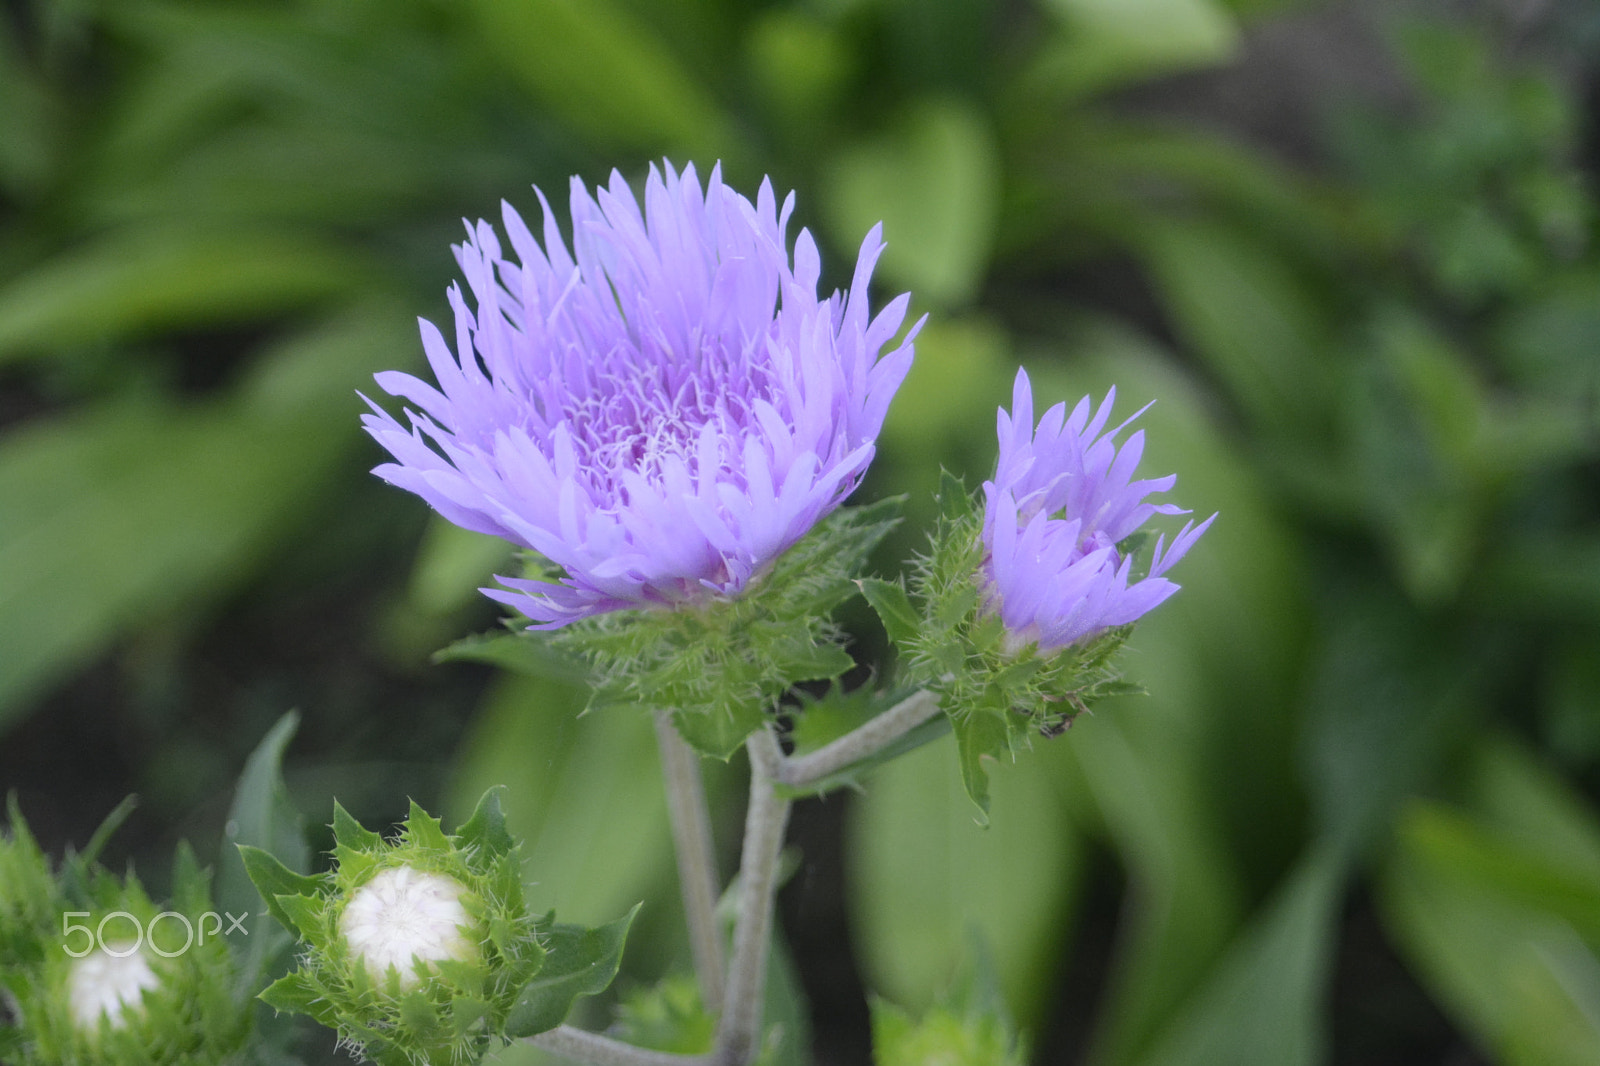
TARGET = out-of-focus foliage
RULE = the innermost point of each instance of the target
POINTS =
(1378, 692)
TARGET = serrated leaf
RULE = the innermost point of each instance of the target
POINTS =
(272, 879)
(351, 833)
(305, 914)
(979, 734)
(888, 598)
(424, 829)
(486, 829)
(298, 993)
(579, 962)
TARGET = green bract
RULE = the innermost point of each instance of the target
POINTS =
(721, 665)
(996, 695)
(420, 949)
(97, 974)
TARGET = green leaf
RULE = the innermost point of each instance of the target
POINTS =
(521, 653)
(195, 493)
(1262, 1003)
(578, 962)
(1255, 322)
(924, 878)
(934, 182)
(425, 830)
(306, 915)
(888, 598)
(486, 829)
(979, 735)
(143, 281)
(273, 879)
(1490, 928)
(350, 833)
(298, 993)
(593, 63)
(1109, 43)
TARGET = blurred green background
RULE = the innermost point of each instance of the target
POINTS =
(1350, 249)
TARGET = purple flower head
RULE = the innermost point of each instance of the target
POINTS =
(1061, 500)
(660, 412)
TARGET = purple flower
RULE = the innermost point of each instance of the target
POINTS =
(661, 412)
(1061, 500)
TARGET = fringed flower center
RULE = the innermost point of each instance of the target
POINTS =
(108, 981)
(402, 917)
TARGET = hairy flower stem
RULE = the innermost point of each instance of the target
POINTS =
(858, 744)
(739, 1029)
(697, 862)
(582, 1046)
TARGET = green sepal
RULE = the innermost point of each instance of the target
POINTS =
(578, 962)
(888, 598)
(486, 829)
(273, 879)
(351, 833)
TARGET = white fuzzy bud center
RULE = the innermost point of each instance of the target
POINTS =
(403, 916)
(105, 983)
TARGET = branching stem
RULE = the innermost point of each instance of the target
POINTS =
(860, 743)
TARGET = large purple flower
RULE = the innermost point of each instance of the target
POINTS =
(660, 413)
(1062, 498)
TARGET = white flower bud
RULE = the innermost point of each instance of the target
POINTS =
(403, 916)
(106, 981)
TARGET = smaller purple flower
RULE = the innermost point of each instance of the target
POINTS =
(1063, 497)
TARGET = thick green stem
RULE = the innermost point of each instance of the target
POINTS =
(697, 862)
(739, 1030)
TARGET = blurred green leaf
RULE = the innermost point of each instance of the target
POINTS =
(922, 872)
(1262, 1003)
(136, 282)
(584, 796)
(1256, 325)
(604, 72)
(116, 513)
(1106, 44)
(1473, 917)
(262, 820)
(933, 180)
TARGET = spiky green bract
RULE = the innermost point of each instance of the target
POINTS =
(179, 1011)
(997, 696)
(451, 1008)
(720, 666)
(27, 894)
